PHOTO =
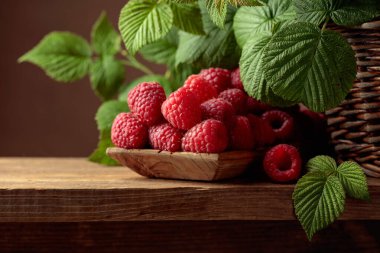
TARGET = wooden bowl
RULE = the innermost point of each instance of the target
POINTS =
(183, 165)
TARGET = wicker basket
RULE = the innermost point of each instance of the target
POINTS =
(354, 126)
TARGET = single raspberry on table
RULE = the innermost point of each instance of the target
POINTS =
(282, 163)
(262, 132)
(217, 77)
(200, 87)
(209, 136)
(237, 98)
(165, 137)
(218, 109)
(128, 131)
(145, 100)
(257, 107)
(182, 109)
(241, 135)
(281, 122)
(236, 80)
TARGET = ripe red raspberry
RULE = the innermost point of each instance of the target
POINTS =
(257, 107)
(145, 100)
(281, 123)
(262, 131)
(200, 87)
(235, 79)
(282, 163)
(237, 98)
(218, 109)
(165, 137)
(209, 136)
(217, 77)
(241, 135)
(182, 109)
(128, 131)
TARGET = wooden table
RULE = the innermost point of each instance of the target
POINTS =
(71, 205)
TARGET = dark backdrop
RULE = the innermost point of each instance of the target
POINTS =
(38, 116)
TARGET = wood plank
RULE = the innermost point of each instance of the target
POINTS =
(74, 190)
(186, 236)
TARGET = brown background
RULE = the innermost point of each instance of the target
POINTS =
(38, 116)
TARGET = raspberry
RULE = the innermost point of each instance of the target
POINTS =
(128, 131)
(281, 123)
(145, 100)
(217, 77)
(282, 163)
(165, 137)
(218, 109)
(257, 107)
(235, 79)
(200, 87)
(209, 136)
(241, 135)
(182, 109)
(262, 132)
(237, 98)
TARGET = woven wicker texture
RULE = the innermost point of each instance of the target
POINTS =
(354, 126)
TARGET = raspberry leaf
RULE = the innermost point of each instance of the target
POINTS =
(106, 76)
(356, 12)
(105, 39)
(342, 12)
(217, 11)
(163, 50)
(251, 71)
(353, 180)
(99, 155)
(322, 163)
(252, 22)
(187, 17)
(318, 201)
(237, 3)
(64, 56)
(144, 21)
(307, 64)
(216, 48)
(108, 111)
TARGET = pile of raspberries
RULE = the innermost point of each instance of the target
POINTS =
(210, 113)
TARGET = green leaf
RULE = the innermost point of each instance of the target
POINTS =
(342, 12)
(322, 163)
(251, 22)
(217, 48)
(163, 50)
(305, 64)
(64, 56)
(315, 11)
(144, 21)
(183, 1)
(105, 39)
(353, 180)
(217, 9)
(251, 70)
(108, 111)
(187, 17)
(356, 12)
(123, 93)
(99, 155)
(107, 75)
(318, 201)
(237, 3)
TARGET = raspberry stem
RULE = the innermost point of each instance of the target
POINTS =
(131, 61)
